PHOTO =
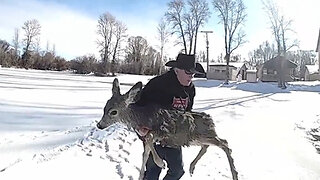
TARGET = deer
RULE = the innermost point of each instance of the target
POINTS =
(171, 126)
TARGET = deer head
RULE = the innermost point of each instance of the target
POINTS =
(117, 103)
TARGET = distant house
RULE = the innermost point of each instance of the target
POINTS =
(218, 71)
(269, 71)
(311, 73)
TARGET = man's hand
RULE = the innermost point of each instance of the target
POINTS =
(143, 131)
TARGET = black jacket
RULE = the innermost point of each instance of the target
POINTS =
(166, 91)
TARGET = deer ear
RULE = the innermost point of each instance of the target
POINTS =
(131, 95)
(115, 87)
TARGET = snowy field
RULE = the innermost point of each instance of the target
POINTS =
(47, 129)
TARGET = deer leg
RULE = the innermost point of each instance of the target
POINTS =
(202, 151)
(145, 157)
(223, 144)
(149, 141)
(159, 162)
(228, 151)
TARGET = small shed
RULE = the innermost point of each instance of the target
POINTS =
(217, 71)
(312, 73)
(275, 67)
(251, 75)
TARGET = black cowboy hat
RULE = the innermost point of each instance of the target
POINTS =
(186, 62)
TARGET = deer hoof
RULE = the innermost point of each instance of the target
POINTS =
(141, 176)
(191, 170)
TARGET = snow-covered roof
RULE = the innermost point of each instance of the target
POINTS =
(273, 62)
(251, 70)
(312, 69)
(237, 65)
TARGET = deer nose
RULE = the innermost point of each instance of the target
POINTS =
(99, 126)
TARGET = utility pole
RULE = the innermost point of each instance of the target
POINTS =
(207, 48)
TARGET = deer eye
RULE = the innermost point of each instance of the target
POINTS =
(113, 112)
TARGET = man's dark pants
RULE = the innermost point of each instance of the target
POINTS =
(173, 157)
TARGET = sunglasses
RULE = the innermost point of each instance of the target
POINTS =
(188, 72)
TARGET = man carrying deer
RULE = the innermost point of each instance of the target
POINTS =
(171, 90)
(161, 113)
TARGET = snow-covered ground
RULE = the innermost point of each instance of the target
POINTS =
(47, 129)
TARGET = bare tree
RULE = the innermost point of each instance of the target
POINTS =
(199, 11)
(272, 11)
(186, 21)
(263, 53)
(285, 27)
(136, 50)
(120, 34)
(106, 28)
(189, 29)
(32, 32)
(280, 26)
(140, 56)
(158, 65)
(37, 47)
(174, 15)
(164, 35)
(84, 64)
(4, 45)
(137, 47)
(4, 50)
(15, 42)
(302, 58)
(54, 49)
(149, 61)
(232, 14)
(48, 46)
(267, 51)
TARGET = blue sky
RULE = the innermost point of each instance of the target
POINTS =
(71, 24)
(138, 8)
